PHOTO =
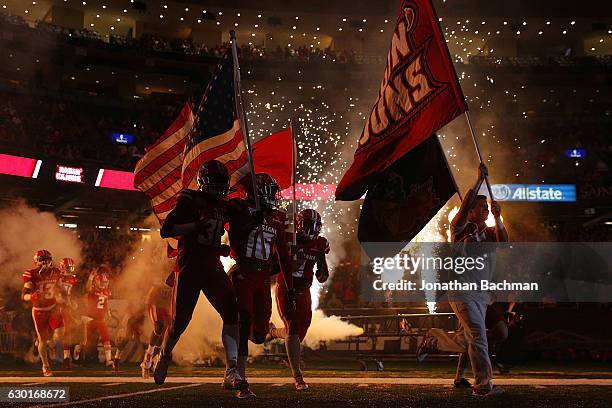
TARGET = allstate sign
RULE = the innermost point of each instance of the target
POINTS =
(535, 192)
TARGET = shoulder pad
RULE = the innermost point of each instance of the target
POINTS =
(281, 216)
(185, 194)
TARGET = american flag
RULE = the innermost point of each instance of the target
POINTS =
(212, 133)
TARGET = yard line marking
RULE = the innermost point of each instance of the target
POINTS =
(110, 397)
(279, 385)
(363, 385)
(310, 380)
(112, 384)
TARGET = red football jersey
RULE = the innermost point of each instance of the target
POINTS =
(255, 243)
(307, 254)
(192, 206)
(66, 283)
(45, 282)
(97, 303)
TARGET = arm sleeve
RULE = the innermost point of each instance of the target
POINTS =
(175, 223)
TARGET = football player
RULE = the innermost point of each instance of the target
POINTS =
(197, 221)
(67, 281)
(97, 295)
(310, 250)
(41, 287)
(158, 303)
(257, 240)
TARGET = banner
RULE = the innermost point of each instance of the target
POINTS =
(418, 95)
(408, 195)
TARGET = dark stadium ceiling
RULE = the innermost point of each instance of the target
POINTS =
(483, 8)
(342, 23)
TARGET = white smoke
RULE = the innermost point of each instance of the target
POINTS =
(23, 231)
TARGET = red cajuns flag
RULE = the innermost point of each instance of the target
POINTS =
(418, 95)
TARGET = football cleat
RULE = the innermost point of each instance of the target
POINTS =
(269, 336)
(300, 384)
(462, 383)
(77, 351)
(484, 392)
(231, 379)
(243, 390)
(145, 368)
(47, 371)
(161, 368)
(425, 348)
(67, 364)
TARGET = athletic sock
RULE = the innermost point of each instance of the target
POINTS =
(242, 361)
(107, 352)
(42, 352)
(294, 349)
(229, 337)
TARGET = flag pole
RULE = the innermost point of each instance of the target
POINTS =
(450, 171)
(293, 175)
(477, 146)
(242, 116)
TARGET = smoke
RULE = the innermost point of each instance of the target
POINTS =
(147, 264)
(327, 328)
(23, 231)
(322, 327)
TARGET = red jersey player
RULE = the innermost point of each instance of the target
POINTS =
(97, 296)
(67, 306)
(158, 303)
(197, 220)
(40, 286)
(257, 241)
(310, 250)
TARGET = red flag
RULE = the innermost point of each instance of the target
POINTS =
(418, 95)
(271, 155)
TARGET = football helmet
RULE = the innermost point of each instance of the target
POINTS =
(101, 279)
(42, 257)
(213, 178)
(308, 223)
(268, 190)
(66, 265)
